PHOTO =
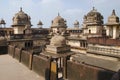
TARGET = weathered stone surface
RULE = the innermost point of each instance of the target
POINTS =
(11, 50)
(40, 65)
(77, 71)
(25, 57)
(17, 53)
(3, 49)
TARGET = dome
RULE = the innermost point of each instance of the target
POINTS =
(21, 18)
(40, 23)
(93, 17)
(113, 19)
(59, 22)
(2, 21)
(58, 40)
(93, 13)
(76, 22)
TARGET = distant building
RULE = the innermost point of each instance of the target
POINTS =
(58, 25)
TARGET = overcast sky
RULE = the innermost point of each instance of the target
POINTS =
(47, 10)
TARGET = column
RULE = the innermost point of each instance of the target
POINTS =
(114, 32)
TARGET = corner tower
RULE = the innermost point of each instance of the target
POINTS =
(20, 20)
(93, 22)
(113, 26)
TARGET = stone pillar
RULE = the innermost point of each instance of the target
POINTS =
(14, 51)
(65, 68)
(81, 44)
(20, 55)
(107, 31)
(114, 32)
(54, 69)
(30, 61)
(48, 69)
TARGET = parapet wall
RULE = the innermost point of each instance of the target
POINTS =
(40, 65)
(33, 62)
(79, 71)
(3, 49)
(71, 70)
(25, 58)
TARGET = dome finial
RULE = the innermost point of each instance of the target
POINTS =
(21, 9)
(58, 14)
(113, 12)
(93, 8)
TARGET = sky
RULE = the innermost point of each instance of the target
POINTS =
(47, 10)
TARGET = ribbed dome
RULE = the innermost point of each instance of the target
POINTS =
(21, 18)
(59, 22)
(58, 19)
(93, 13)
(93, 17)
(58, 40)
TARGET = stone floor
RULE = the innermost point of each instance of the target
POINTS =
(11, 69)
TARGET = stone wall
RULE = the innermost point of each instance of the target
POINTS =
(77, 71)
(40, 65)
(25, 58)
(18, 52)
(3, 49)
(11, 50)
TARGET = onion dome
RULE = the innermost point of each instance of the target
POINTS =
(2, 21)
(58, 40)
(59, 22)
(21, 18)
(93, 18)
(113, 19)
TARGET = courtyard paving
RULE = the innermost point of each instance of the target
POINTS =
(11, 69)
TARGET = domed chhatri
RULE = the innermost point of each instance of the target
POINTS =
(76, 24)
(20, 20)
(58, 40)
(93, 23)
(2, 21)
(40, 24)
(112, 26)
(58, 24)
(113, 19)
(93, 17)
(59, 21)
(58, 45)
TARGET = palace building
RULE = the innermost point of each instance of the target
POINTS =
(95, 45)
